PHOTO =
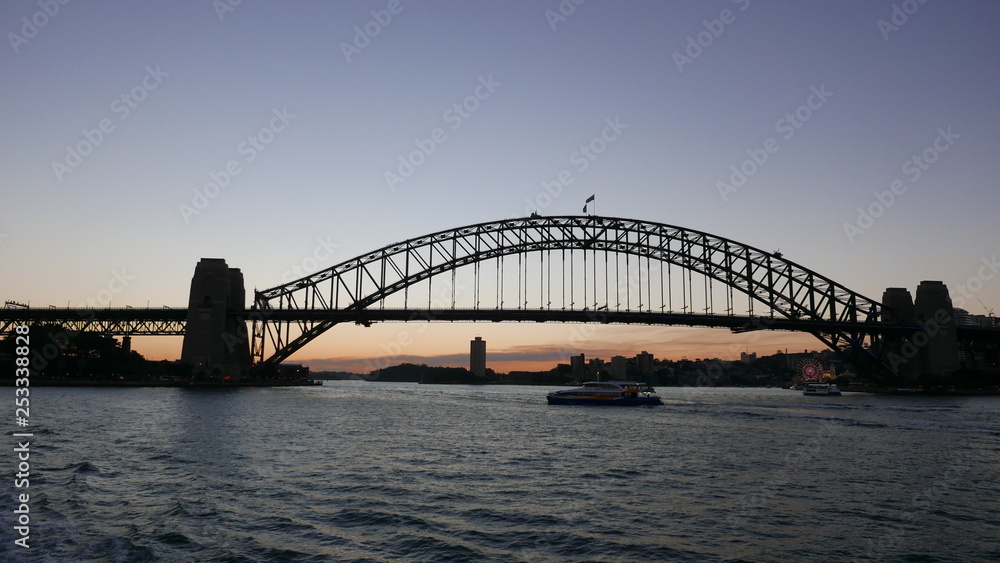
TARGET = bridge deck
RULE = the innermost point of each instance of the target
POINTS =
(114, 321)
(171, 321)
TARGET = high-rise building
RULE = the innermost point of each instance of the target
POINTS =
(577, 363)
(619, 368)
(644, 362)
(963, 318)
(477, 357)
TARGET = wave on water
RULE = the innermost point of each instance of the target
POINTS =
(358, 471)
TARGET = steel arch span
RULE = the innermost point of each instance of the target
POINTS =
(569, 264)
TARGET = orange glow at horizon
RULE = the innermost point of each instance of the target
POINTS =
(510, 347)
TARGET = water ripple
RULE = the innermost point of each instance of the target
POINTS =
(384, 472)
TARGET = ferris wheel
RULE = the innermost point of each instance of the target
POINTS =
(810, 370)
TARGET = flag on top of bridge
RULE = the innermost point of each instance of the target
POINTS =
(589, 199)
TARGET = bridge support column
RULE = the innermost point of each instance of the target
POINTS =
(214, 344)
(898, 352)
(930, 353)
(938, 342)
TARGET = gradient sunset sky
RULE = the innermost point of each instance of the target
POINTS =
(879, 120)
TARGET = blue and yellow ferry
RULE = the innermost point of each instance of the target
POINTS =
(619, 393)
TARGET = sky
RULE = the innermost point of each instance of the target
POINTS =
(860, 138)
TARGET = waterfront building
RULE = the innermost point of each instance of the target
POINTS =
(644, 362)
(477, 357)
(619, 368)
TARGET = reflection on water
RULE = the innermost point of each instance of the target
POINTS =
(369, 471)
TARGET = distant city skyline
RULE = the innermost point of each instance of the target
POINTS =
(683, 344)
(858, 138)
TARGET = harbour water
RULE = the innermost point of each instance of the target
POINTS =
(358, 471)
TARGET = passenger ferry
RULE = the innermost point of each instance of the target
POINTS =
(621, 393)
(825, 389)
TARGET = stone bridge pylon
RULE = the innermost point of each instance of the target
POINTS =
(211, 344)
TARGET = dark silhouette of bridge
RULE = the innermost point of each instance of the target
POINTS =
(546, 269)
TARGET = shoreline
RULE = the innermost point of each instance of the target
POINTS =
(319, 382)
(184, 384)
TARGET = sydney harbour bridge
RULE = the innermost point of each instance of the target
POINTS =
(588, 268)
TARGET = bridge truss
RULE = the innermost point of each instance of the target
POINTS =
(572, 268)
(125, 321)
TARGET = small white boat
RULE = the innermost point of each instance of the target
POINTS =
(823, 389)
